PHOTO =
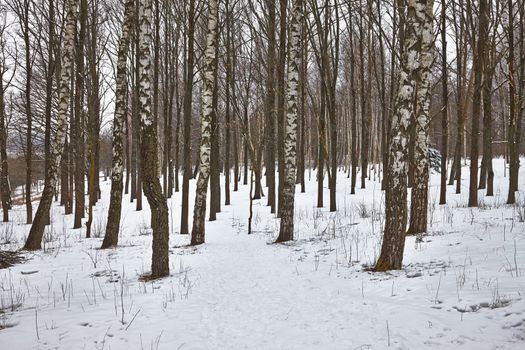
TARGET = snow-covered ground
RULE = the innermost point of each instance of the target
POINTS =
(463, 284)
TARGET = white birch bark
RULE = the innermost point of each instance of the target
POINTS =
(287, 219)
(391, 256)
(419, 195)
(115, 204)
(199, 211)
(149, 151)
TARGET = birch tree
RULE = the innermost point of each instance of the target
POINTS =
(51, 76)
(199, 211)
(477, 66)
(287, 209)
(94, 96)
(115, 204)
(34, 239)
(391, 257)
(5, 190)
(364, 99)
(513, 136)
(461, 80)
(444, 112)
(77, 129)
(325, 45)
(419, 194)
(270, 105)
(149, 155)
(490, 62)
(280, 94)
(188, 93)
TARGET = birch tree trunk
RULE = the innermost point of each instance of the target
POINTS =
(331, 72)
(65, 199)
(391, 256)
(235, 108)
(228, 126)
(178, 104)
(167, 99)
(384, 103)
(5, 190)
(115, 203)
(215, 155)
(148, 150)
(455, 170)
(34, 239)
(521, 90)
(133, 119)
(78, 131)
(93, 115)
(269, 106)
(486, 179)
(127, 148)
(444, 112)
(280, 71)
(287, 208)
(321, 132)
(188, 92)
(199, 211)
(136, 116)
(487, 171)
(365, 113)
(302, 92)
(476, 104)
(419, 202)
(353, 122)
(24, 24)
(50, 77)
(514, 163)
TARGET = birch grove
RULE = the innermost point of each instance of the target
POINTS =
(253, 174)
(168, 100)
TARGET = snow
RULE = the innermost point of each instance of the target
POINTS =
(462, 285)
